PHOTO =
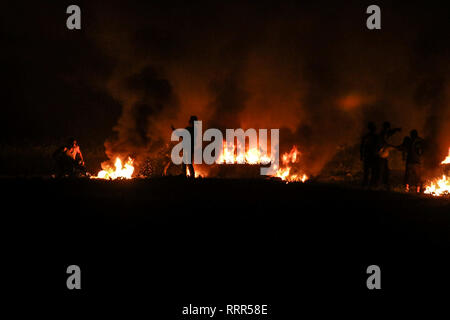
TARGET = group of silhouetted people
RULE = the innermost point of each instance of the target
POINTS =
(375, 150)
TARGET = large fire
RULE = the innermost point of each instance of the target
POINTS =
(118, 172)
(255, 156)
(440, 186)
(285, 171)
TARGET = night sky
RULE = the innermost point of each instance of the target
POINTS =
(311, 68)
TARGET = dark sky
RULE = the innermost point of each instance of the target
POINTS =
(310, 68)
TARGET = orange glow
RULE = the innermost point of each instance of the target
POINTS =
(350, 102)
(119, 172)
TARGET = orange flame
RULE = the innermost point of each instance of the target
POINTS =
(447, 160)
(440, 186)
(120, 172)
(257, 156)
(251, 156)
(284, 172)
(199, 173)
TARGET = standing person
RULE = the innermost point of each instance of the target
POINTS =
(412, 148)
(384, 147)
(190, 166)
(368, 154)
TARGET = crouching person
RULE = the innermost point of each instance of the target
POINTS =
(69, 160)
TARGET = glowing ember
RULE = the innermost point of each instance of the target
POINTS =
(447, 160)
(284, 174)
(119, 172)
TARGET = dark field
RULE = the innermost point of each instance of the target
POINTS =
(221, 241)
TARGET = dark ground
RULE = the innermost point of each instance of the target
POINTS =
(161, 243)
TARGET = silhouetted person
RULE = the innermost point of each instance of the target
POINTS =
(69, 159)
(368, 154)
(169, 161)
(189, 166)
(412, 148)
(384, 147)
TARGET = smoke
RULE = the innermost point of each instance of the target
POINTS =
(147, 100)
(314, 71)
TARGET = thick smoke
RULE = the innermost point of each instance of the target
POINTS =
(147, 100)
(314, 71)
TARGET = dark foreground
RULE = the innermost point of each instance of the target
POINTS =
(164, 243)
